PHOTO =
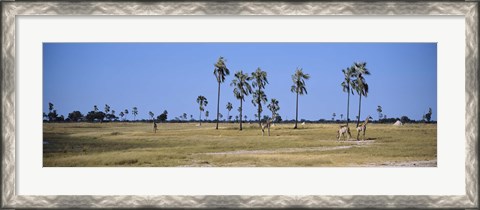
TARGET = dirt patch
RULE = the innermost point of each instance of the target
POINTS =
(283, 150)
(127, 162)
(198, 163)
(420, 163)
(358, 142)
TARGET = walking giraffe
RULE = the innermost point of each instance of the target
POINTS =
(362, 128)
(343, 130)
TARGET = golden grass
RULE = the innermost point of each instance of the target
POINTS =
(186, 144)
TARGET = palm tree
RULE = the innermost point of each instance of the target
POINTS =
(273, 107)
(360, 85)
(95, 108)
(428, 116)
(229, 107)
(241, 89)
(134, 112)
(333, 116)
(107, 108)
(299, 88)
(121, 115)
(347, 87)
(220, 72)
(126, 113)
(184, 116)
(52, 112)
(259, 97)
(50, 107)
(259, 78)
(202, 101)
(151, 114)
(379, 110)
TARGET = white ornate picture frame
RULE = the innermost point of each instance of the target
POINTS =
(12, 10)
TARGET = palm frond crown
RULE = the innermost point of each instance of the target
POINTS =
(241, 85)
(298, 80)
(259, 97)
(259, 78)
(221, 70)
(202, 101)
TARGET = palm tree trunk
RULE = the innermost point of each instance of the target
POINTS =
(359, 108)
(228, 117)
(296, 113)
(259, 113)
(241, 114)
(218, 104)
(200, 118)
(348, 105)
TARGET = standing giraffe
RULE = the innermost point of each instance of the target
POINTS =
(155, 127)
(266, 125)
(362, 128)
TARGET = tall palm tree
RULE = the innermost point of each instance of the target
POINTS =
(126, 113)
(259, 78)
(299, 87)
(134, 112)
(273, 107)
(360, 84)
(202, 101)
(241, 89)
(229, 107)
(220, 72)
(347, 86)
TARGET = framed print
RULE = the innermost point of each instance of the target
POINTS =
(239, 104)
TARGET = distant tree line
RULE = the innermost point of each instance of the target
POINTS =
(109, 116)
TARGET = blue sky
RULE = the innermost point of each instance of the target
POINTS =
(169, 76)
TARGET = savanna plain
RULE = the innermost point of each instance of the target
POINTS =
(135, 144)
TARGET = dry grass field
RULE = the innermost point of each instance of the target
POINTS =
(188, 145)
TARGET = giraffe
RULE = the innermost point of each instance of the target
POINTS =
(266, 125)
(362, 128)
(155, 127)
(343, 130)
